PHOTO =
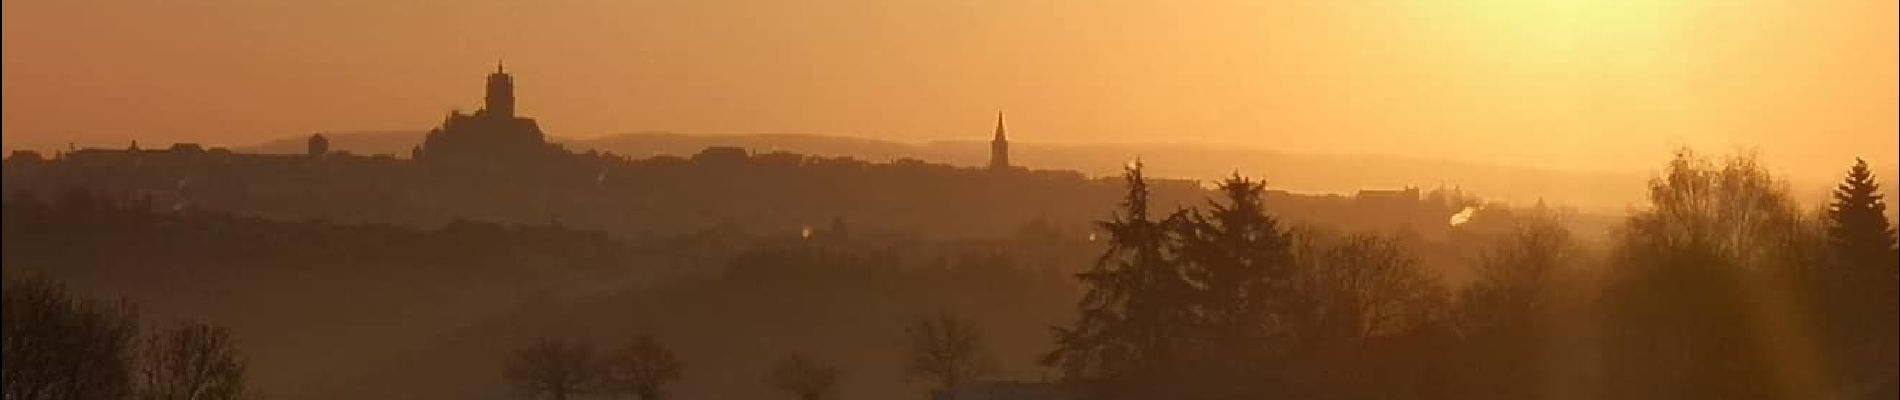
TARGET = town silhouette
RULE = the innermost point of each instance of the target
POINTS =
(491, 260)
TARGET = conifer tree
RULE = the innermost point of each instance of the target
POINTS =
(1859, 296)
(1135, 312)
(1240, 263)
(1857, 222)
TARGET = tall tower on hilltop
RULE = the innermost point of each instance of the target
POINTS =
(999, 146)
(493, 136)
(500, 102)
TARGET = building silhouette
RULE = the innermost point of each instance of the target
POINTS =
(491, 136)
(493, 165)
(318, 146)
(999, 146)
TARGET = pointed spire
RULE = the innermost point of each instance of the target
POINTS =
(999, 127)
(498, 69)
(999, 147)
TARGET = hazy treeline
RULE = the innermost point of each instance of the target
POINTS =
(79, 222)
(1721, 288)
(663, 195)
(365, 310)
(799, 316)
(313, 299)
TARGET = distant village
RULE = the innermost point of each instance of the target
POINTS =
(493, 164)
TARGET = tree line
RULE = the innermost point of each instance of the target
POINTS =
(62, 346)
(944, 350)
(1721, 288)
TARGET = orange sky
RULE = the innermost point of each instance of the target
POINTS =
(1582, 84)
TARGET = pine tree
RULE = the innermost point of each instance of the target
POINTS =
(1240, 265)
(1858, 296)
(1240, 262)
(1133, 317)
(1857, 222)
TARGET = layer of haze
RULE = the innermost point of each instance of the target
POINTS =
(1576, 84)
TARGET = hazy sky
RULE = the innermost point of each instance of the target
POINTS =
(1590, 84)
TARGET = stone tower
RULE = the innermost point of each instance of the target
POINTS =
(500, 102)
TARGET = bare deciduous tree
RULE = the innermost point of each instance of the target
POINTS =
(946, 350)
(804, 378)
(192, 361)
(61, 347)
(1690, 276)
(1519, 278)
(1515, 315)
(1366, 286)
(642, 368)
(552, 368)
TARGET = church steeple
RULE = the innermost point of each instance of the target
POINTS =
(999, 146)
(500, 102)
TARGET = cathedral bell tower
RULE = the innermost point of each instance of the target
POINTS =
(500, 102)
(494, 136)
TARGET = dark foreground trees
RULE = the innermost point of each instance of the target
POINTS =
(1369, 322)
(1522, 323)
(59, 346)
(1720, 288)
(559, 369)
(1705, 296)
(190, 361)
(1857, 227)
(1856, 287)
(804, 378)
(62, 346)
(946, 350)
(1130, 337)
(1221, 303)
(553, 369)
(642, 368)
(1238, 262)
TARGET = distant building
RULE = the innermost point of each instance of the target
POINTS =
(318, 146)
(492, 135)
(1406, 196)
(999, 146)
(26, 156)
(1400, 208)
(1389, 204)
(727, 155)
(178, 155)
